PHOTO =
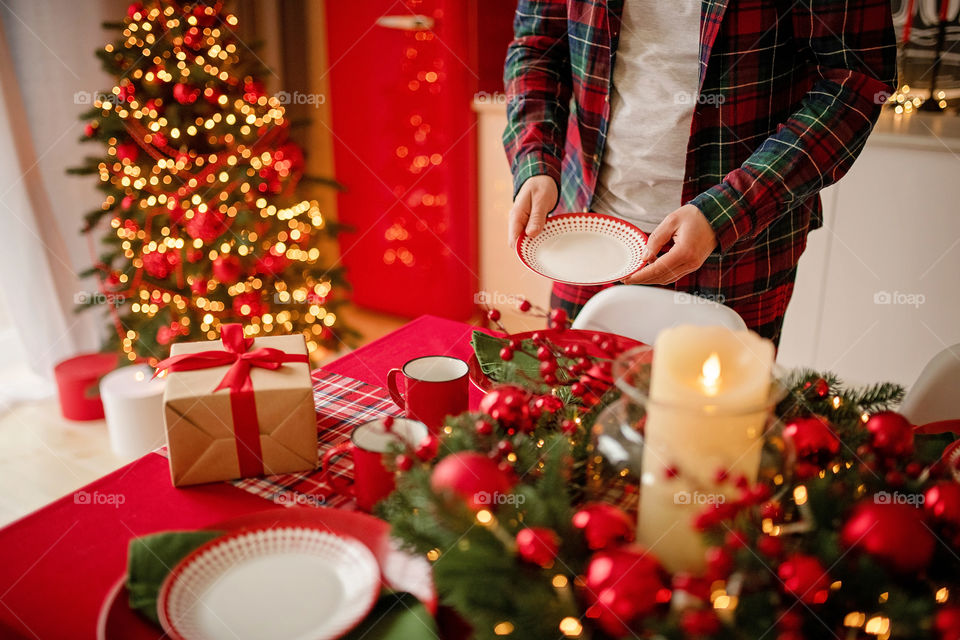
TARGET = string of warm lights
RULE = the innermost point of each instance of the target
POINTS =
(199, 180)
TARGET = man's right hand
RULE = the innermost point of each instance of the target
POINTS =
(536, 198)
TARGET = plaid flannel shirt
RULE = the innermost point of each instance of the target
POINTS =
(789, 92)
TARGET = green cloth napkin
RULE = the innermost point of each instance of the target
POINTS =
(395, 616)
(151, 558)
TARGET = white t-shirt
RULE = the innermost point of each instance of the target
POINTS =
(655, 87)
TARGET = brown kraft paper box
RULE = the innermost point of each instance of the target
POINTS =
(199, 422)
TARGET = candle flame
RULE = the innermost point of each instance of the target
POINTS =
(710, 374)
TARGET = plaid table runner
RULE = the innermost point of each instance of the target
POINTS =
(341, 404)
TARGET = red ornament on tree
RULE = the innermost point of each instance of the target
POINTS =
(185, 94)
(700, 622)
(226, 269)
(248, 304)
(812, 438)
(947, 623)
(205, 225)
(471, 476)
(160, 265)
(803, 576)
(128, 151)
(890, 434)
(603, 525)
(199, 285)
(624, 585)
(538, 545)
(893, 533)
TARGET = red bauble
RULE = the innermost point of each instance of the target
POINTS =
(193, 38)
(770, 545)
(603, 525)
(199, 286)
(942, 503)
(804, 577)
(947, 623)
(893, 533)
(135, 8)
(719, 563)
(623, 585)
(252, 90)
(226, 269)
(471, 476)
(128, 151)
(538, 545)
(700, 622)
(89, 129)
(160, 265)
(205, 225)
(248, 304)
(812, 438)
(126, 203)
(508, 405)
(185, 94)
(890, 434)
(206, 16)
(428, 447)
(158, 140)
(546, 404)
(272, 264)
(821, 387)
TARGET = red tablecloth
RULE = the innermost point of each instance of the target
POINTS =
(57, 563)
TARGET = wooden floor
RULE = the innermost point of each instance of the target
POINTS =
(44, 456)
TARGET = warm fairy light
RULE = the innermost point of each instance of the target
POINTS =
(800, 494)
(942, 595)
(571, 627)
(878, 626)
(710, 374)
(484, 516)
(560, 581)
(503, 628)
(836, 402)
(854, 619)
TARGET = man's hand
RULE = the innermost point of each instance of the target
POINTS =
(693, 241)
(536, 198)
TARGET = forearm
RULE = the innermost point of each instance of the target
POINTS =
(537, 80)
(818, 144)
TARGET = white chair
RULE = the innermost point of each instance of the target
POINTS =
(641, 312)
(935, 395)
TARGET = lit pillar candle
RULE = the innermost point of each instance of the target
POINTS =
(133, 406)
(707, 408)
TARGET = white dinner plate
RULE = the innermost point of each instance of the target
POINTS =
(294, 583)
(584, 249)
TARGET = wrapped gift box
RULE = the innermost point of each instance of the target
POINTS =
(264, 425)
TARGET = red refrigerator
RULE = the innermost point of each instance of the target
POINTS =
(403, 76)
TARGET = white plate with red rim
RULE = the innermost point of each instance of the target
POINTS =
(584, 249)
(293, 583)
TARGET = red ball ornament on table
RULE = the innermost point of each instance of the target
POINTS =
(890, 434)
(603, 525)
(538, 545)
(472, 477)
(812, 438)
(804, 576)
(942, 503)
(508, 405)
(894, 534)
(623, 586)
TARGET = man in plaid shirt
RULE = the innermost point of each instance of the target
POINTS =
(781, 103)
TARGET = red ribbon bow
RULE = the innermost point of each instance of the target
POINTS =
(243, 405)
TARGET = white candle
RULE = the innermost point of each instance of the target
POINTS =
(707, 408)
(133, 407)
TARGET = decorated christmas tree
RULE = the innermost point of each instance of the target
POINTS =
(201, 222)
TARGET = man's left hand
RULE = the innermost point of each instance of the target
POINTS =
(693, 240)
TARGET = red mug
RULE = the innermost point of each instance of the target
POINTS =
(372, 482)
(436, 387)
